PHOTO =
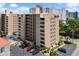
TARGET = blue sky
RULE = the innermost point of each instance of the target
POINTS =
(24, 7)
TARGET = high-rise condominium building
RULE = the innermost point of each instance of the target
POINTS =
(13, 23)
(37, 28)
(42, 29)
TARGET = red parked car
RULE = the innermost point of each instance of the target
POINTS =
(29, 48)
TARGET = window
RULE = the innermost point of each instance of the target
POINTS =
(42, 30)
(54, 28)
(41, 45)
(19, 29)
(41, 34)
(41, 18)
(42, 38)
(19, 20)
(56, 16)
(42, 26)
(19, 35)
(19, 26)
(42, 42)
(41, 22)
(50, 25)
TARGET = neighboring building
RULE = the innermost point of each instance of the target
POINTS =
(61, 12)
(72, 15)
(14, 24)
(36, 10)
(42, 29)
(4, 47)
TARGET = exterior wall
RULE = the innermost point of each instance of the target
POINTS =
(38, 30)
(31, 21)
(36, 10)
(10, 24)
(23, 27)
(51, 30)
(47, 30)
(56, 19)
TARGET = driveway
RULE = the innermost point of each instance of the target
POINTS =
(76, 52)
(69, 50)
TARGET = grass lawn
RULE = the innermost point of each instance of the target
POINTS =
(74, 44)
(54, 49)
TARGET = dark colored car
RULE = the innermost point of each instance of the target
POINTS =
(22, 46)
(35, 52)
(62, 50)
(67, 42)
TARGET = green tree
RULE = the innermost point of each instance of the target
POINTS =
(62, 26)
(71, 28)
(73, 25)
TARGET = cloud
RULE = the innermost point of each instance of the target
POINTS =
(22, 10)
(72, 7)
(2, 9)
(2, 4)
(13, 5)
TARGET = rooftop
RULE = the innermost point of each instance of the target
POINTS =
(4, 42)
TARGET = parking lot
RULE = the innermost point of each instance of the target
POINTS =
(17, 51)
(69, 50)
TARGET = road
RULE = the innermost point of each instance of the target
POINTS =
(76, 52)
(69, 50)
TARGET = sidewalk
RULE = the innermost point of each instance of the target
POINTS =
(76, 52)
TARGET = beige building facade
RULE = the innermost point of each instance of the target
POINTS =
(40, 29)
(14, 24)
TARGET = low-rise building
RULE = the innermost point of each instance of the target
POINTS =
(4, 47)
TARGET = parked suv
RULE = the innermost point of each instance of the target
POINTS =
(62, 50)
